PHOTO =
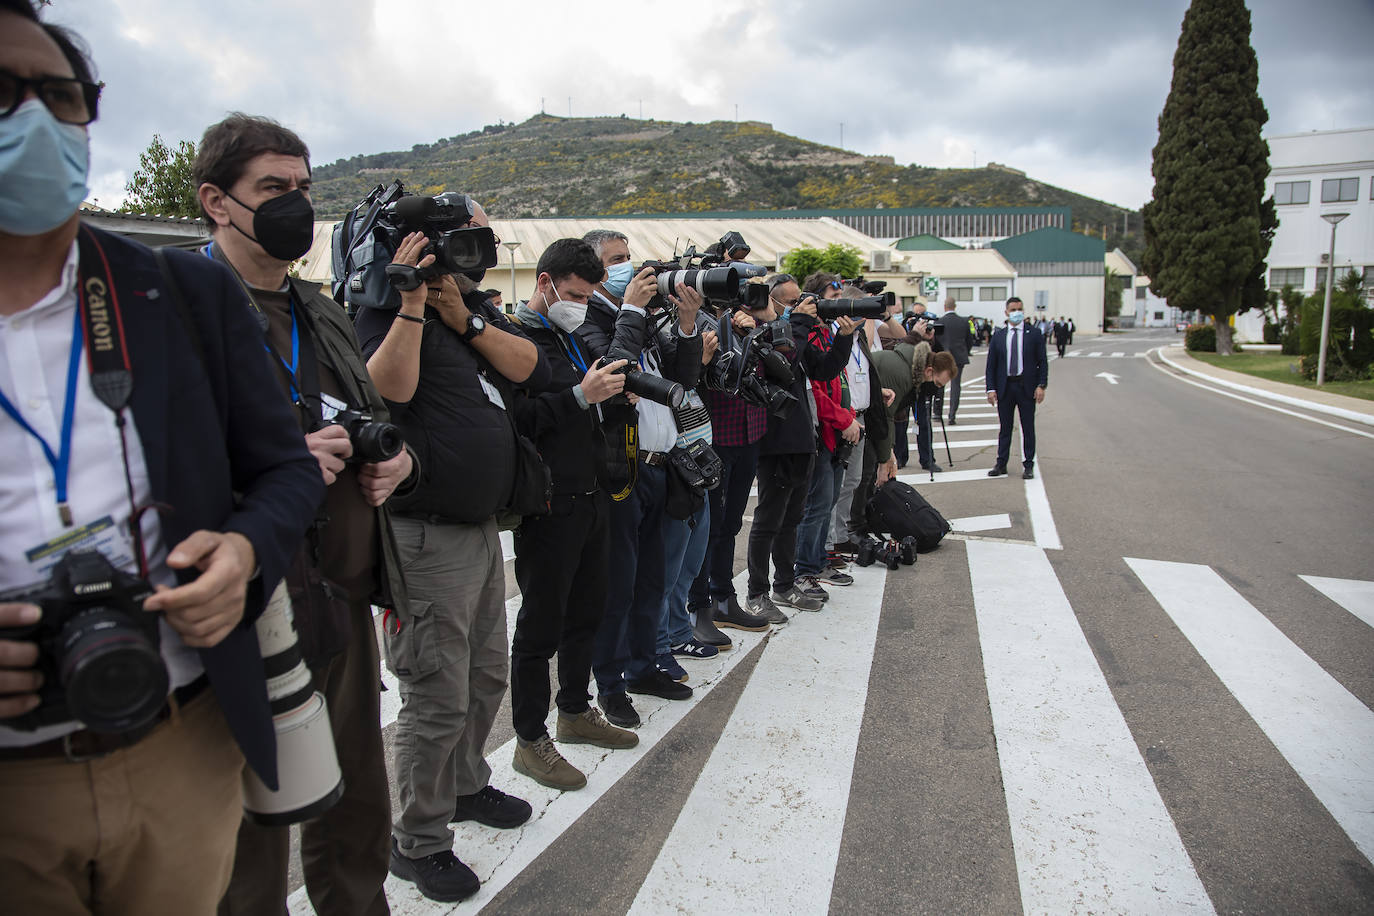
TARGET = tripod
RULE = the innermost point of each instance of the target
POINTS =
(936, 402)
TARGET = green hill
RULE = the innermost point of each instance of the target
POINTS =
(606, 166)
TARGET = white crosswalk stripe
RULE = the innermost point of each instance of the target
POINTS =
(1324, 732)
(1101, 355)
(1354, 595)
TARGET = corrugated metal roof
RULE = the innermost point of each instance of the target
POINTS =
(1051, 244)
(923, 242)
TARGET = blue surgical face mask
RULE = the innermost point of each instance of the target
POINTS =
(618, 277)
(1016, 317)
(43, 166)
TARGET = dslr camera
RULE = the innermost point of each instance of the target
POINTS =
(752, 367)
(372, 440)
(867, 307)
(365, 241)
(97, 647)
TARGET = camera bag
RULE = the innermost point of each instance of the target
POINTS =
(900, 511)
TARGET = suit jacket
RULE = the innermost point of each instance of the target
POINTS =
(957, 337)
(1035, 363)
(223, 450)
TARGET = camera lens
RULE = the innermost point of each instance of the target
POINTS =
(114, 677)
(376, 441)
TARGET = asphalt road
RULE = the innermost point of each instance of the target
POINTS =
(1111, 692)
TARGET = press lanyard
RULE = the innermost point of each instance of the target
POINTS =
(570, 345)
(292, 368)
(61, 461)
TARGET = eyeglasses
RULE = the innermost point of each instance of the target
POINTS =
(835, 284)
(790, 303)
(72, 101)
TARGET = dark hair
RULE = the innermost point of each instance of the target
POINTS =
(565, 257)
(944, 362)
(491, 292)
(1016, 299)
(228, 147)
(71, 45)
(818, 281)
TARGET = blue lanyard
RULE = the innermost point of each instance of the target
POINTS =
(570, 344)
(60, 462)
(292, 367)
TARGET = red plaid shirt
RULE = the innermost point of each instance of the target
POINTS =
(734, 421)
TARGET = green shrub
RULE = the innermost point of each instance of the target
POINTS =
(1200, 337)
(1272, 333)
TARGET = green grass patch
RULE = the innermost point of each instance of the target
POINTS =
(1279, 368)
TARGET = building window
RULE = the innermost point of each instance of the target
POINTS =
(1292, 192)
(992, 293)
(1369, 278)
(961, 293)
(1140, 292)
(1339, 190)
(1279, 277)
(1159, 316)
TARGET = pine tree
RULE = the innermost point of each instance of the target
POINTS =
(162, 184)
(1207, 230)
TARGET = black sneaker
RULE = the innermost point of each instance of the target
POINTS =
(442, 876)
(704, 630)
(492, 807)
(732, 615)
(618, 709)
(659, 684)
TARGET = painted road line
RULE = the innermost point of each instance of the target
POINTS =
(1118, 354)
(1276, 409)
(1088, 827)
(761, 830)
(973, 427)
(1095, 354)
(919, 479)
(1354, 595)
(1042, 520)
(1076, 353)
(1324, 732)
(981, 523)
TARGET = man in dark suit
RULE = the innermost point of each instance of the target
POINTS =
(1018, 372)
(957, 337)
(191, 420)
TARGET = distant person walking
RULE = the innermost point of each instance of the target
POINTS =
(1061, 336)
(1017, 374)
(958, 340)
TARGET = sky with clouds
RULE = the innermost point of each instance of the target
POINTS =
(1066, 90)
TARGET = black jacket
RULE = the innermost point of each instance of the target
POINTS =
(811, 359)
(956, 337)
(465, 441)
(608, 328)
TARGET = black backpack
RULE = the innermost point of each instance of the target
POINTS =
(359, 253)
(900, 511)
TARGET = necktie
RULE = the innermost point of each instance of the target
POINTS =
(1015, 353)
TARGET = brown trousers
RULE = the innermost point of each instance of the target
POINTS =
(148, 829)
(344, 852)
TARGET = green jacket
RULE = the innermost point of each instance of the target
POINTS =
(897, 369)
(338, 346)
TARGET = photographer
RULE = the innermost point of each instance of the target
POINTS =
(787, 454)
(445, 362)
(625, 655)
(561, 558)
(922, 328)
(140, 816)
(253, 181)
(957, 338)
(914, 373)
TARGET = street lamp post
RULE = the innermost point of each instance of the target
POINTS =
(511, 246)
(1333, 219)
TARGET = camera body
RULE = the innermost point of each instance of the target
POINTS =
(372, 440)
(457, 247)
(97, 647)
(736, 368)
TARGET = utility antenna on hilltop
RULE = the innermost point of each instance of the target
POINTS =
(641, 109)
(737, 112)
(841, 135)
(541, 104)
(570, 106)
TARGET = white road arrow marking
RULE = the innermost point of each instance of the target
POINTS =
(1108, 376)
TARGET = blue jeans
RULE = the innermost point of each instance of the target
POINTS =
(684, 547)
(826, 477)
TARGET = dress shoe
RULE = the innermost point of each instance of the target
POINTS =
(951, 422)
(1028, 474)
(998, 470)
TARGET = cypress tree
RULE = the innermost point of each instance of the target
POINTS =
(1208, 227)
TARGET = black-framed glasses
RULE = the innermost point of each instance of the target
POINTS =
(71, 101)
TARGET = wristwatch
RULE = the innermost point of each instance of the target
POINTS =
(476, 325)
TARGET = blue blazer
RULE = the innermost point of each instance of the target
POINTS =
(213, 424)
(1035, 363)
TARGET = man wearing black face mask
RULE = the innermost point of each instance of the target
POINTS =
(253, 177)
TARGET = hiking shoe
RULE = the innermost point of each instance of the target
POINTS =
(766, 609)
(846, 548)
(618, 709)
(659, 684)
(540, 761)
(669, 666)
(692, 648)
(795, 597)
(835, 577)
(442, 876)
(730, 614)
(590, 727)
(704, 631)
(838, 561)
(492, 807)
(811, 587)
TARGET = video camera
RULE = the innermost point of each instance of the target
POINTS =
(365, 241)
(736, 367)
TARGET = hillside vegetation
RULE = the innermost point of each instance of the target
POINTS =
(549, 165)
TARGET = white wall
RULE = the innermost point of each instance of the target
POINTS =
(1079, 298)
(977, 307)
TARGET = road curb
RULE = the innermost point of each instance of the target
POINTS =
(1316, 406)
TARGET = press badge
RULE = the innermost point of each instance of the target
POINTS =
(493, 394)
(102, 535)
(330, 407)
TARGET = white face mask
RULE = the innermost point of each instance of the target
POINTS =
(568, 316)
